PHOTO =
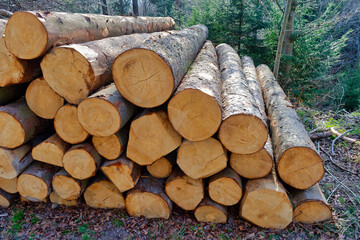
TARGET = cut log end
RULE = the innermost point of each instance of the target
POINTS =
(42, 100)
(99, 117)
(51, 151)
(243, 134)
(310, 212)
(225, 191)
(194, 114)
(19, 34)
(161, 168)
(8, 185)
(79, 163)
(143, 77)
(13, 162)
(209, 211)
(4, 202)
(300, 167)
(54, 198)
(108, 147)
(32, 187)
(66, 187)
(12, 134)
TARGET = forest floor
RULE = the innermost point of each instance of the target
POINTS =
(341, 188)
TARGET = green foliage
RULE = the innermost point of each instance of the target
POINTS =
(307, 118)
(17, 222)
(85, 231)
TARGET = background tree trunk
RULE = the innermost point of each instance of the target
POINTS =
(135, 7)
(104, 7)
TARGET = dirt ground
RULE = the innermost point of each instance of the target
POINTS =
(342, 188)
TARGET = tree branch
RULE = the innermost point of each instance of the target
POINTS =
(5, 13)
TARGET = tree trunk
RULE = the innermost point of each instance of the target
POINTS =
(67, 125)
(265, 203)
(310, 205)
(123, 172)
(14, 161)
(225, 187)
(298, 163)
(82, 161)
(8, 185)
(49, 29)
(148, 73)
(135, 6)
(67, 187)
(51, 151)
(186, 192)
(113, 146)
(6, 198)
(101, 193)
(151, 137)
(34, 184)
(42, 100)
(195, 108)
(243, 129)
(201, 159)
(210, 211)
(148, 199)
(74, 71)
(54, 198)
(19, 124)
(104, 7)
(105, 112)
(162, 168)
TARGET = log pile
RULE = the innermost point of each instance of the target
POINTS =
(119, 95)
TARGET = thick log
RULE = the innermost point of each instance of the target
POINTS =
(30, 35)
(195, 108)
(186, 192)
(210, 211)
(148, 73)
(6, 198)
(67, 187)
(51, 151)
(243, 129)
(148, 199)
(310, 205)
(67, 125)
(82, 161)
(14, 161)
(265, 203)
(101, 193)
(34, 184)
(298, 163)
(151, 137)
(75, 71)
(105, 112)
(54, 198)
(201, 159)
(123, 172)
(8, 185)
(19, 124)
(162, 168)
(225, 187)
(42, 100)
(255, 165)
(113, 146)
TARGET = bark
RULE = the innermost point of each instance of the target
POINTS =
(42, 100)
(55, 28)
(186, 192)
(5, 13)
(67, 187)
(51, 151)
(298, 162)
(14, 161)
(148, 199)
(148, 73)
(210, 211)
(2, 26)
(8, 185)
(195, 108)
(54, 198)
(20, 124)
(123, 172)
(74, 71)
(6, 198)
(105, 112)
(11, 93)
(243, 129)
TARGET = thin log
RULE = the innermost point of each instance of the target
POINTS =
(67, 187)
(6, 198)
(54, 198)
(163, 167)
(14, 161)
(210, 211)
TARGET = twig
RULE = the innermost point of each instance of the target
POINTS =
(333, 191)
(351, 140)
(5, 13)
(333, 142)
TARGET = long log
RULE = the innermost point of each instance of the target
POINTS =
(8, 185)
(265, 203)
(82, 161)
(195, 108)
(30, 35)
(14, 161)
(54, 198)
(151, 137)
(163, 167)
(148, 199)
(123, 172)
(243, 129)
(210, 211)
(42, 100)
(67, 125)
(34, 183)
(6, 198)
(105, 112)
(225, 187)
(310, 205)
(102, 193)
(201, 159)
(298, 163)
(51, 151)
(19, 124)
(67, 187)
(148, 73)
(186, 192)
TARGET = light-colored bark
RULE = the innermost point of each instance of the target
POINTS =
(210, 211)
(14, 161)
